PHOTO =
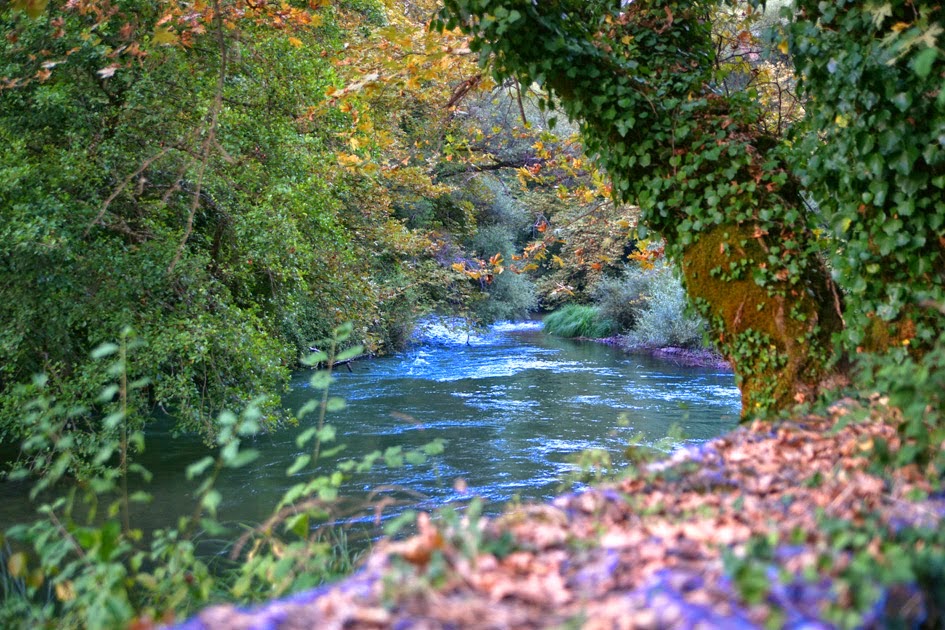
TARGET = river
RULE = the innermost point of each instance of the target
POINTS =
(514, 407)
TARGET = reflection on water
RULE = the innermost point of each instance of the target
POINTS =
(512, 405)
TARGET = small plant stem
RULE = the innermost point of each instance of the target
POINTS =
(123, 393)
(323, 408)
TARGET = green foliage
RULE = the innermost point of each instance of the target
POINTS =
(83, 563)
(192, 195)
(880, 574)
(875, 71)
(578, 320)
(740, 206)
(509, 295)
(649, 307)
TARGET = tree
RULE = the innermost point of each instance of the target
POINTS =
(174, 169)
(731, 196)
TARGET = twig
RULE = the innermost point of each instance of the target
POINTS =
(124, 184)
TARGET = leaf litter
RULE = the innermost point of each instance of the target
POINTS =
(648, 551)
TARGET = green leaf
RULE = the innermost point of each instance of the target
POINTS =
(300, 462)
(415, 457)
(331, 452)
(299, 524)
(436, 447)
(197, 468)
(326, 433)
(315, 358)
(922, 63)
(393, 457)
(397, 524)
(104, 350)
(321, 380)
(244, 457)
(108, 394)
(211, 501)
(140, 497)
(341, 333)
(112, 420)
(305, 436)
(350, 353)
(307, 408)
(335, 404)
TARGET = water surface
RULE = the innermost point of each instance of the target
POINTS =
(513, 405)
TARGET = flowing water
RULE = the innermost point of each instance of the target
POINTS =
(513, 405)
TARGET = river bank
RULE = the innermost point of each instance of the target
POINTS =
(690, 357)
(786, 525)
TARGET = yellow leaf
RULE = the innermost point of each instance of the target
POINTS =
(32, 8)
(783, 47)
(163, 36)
(459, 267)
(16, 564)
(557, 260)
(65, 591)
(35, 579)
(346, 159)
(295, 41)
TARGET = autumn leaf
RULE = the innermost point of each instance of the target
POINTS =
(32, 8)
(108, 71)
(163, 36)
(348, 159)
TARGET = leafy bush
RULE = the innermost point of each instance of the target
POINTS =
(650, 306)
(576, 320)
(621, 299)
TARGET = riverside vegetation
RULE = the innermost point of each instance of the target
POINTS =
(218, 186)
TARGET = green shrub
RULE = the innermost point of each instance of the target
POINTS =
(650, 307)
(576, 320)
(621, 299)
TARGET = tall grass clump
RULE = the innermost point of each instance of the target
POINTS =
(577, 320)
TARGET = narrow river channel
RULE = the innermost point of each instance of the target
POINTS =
(513, 405)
